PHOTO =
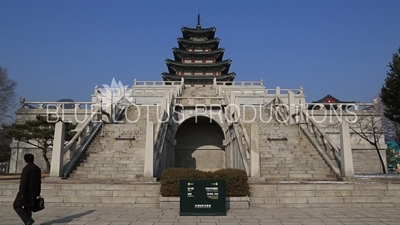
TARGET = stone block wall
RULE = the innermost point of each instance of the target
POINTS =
(200, 146)
(335, 194)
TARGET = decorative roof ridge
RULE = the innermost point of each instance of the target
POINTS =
(217, 39)
(208, 52)
(335, 99)
(226, 61)
(198, 30)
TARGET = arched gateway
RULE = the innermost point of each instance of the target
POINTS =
(199, 144)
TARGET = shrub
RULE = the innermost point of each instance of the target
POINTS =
(236, 180)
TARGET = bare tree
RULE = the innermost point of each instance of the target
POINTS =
(369, 124)
(371, 127)
(7, 95)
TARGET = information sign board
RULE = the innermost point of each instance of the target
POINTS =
(202, 198)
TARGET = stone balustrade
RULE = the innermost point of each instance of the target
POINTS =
(55, 105)
(75, 147)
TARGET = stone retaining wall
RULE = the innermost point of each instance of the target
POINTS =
(333, 194)
(279, 195)
(91, 195)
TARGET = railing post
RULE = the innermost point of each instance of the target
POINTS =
(277, 91)
(303, 110)
(255, 151)
(346, 155)
(57, 158)
(149, 151)
(21, 102)
(291, 107)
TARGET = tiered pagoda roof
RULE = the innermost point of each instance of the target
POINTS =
(198, 59)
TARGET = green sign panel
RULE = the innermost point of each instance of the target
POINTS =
(202, 198)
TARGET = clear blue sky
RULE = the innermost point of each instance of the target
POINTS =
(61, 49)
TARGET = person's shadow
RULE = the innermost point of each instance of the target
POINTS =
(67, 219)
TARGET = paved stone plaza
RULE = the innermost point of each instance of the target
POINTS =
(284, 216)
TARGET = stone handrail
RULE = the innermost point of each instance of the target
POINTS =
(77, 145)
(158, 149)
(245, 135)
(156, 83)
(279, 91)
(282, 112)
(243, 153)
(162, 126)
(167, 101)
(244, 148)
(350, 106)
(326, 147)
(205, 97)
(240, 83)
(54, 105)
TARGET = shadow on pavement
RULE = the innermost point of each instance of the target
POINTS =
(68, 218)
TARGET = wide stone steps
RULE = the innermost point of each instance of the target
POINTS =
(110, 159)
(286, 154)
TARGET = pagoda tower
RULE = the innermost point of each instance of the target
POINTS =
(198, 59)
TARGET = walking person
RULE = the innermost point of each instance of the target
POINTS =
(29, 189)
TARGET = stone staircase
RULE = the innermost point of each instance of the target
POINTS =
(287, 154)
(117, 153)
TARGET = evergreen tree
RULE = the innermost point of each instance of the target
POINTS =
(38, 133)
(390, 93)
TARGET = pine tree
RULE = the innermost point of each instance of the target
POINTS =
(390, 93)
(38, 133)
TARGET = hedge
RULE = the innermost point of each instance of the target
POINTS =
(236, 180)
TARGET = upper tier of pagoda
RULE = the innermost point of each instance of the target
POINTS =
(198, 59)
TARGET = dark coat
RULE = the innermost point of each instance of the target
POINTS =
(30, 185)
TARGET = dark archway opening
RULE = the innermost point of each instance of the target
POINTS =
(199, 145)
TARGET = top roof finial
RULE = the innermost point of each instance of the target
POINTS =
(198, 21)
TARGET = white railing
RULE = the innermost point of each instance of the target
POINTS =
(326, 147)
(80, 141)
(55, 105)
(279, 91)
(348, 106)
(240, 83)
(156, 83)
(282, 112)
(244, 146)
(162, 125)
